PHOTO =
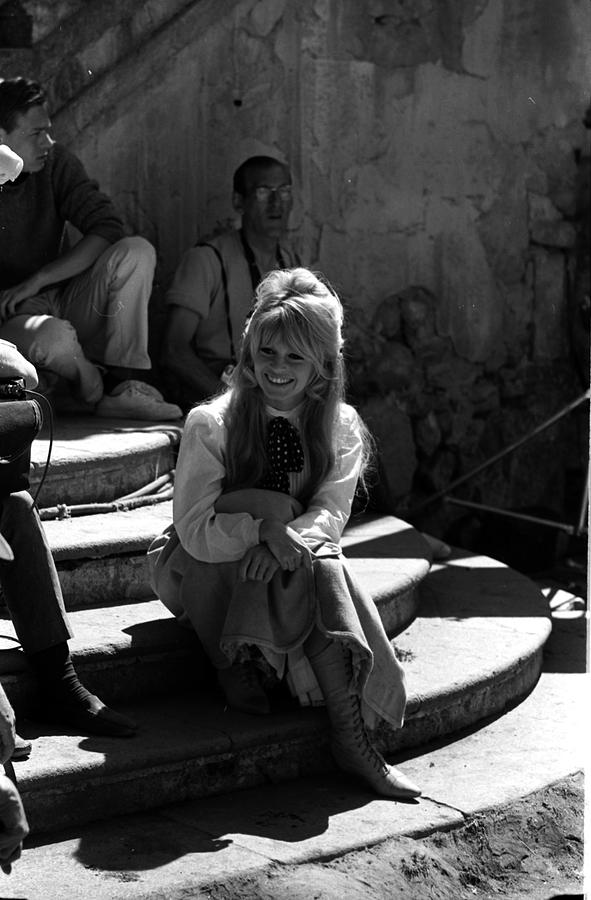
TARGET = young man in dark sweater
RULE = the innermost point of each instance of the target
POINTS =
(79, 312)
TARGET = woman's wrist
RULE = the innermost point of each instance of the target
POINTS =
(267, 529)
(264, 530)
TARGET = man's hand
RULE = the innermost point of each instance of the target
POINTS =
(284, 543)
(257, 564)
(13, 824)
(11, 297)
(14, 365)
(7, 729)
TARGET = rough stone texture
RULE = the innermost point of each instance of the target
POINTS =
(434, 146)
(487, 623)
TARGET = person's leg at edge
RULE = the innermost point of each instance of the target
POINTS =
(52, 345)
(351, 746)
(34, 599)
(108, 307)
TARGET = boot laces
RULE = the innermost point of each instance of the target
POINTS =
(364, 744)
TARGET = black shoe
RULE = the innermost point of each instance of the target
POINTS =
(91, 716)
(243, 690)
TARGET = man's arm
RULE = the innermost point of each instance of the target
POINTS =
(178, 355)
(13, 824)
(7, 728)
(72, 262)
(14, 365)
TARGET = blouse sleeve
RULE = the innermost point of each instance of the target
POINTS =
(330, 507)
(200, 473)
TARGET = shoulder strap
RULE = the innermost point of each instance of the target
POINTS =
(255, 275)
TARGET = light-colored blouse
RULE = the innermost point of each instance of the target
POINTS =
(200, 472)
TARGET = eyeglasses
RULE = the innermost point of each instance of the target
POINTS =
(263, 192)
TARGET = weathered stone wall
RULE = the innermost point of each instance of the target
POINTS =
(434, 147)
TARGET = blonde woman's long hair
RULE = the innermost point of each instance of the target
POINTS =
(295, 306)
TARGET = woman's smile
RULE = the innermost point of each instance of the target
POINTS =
(277, 379)
(282, 374)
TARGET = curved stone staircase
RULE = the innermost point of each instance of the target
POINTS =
(470, 633)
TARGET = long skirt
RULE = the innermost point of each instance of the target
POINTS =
(230, 616)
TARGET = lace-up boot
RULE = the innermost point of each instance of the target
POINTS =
(350, 744)
(243, 690)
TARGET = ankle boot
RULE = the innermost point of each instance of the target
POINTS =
(351, 747)
(243, 690)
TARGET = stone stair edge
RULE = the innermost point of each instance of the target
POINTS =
(107, 534)
(105, 637)
(456, 788)
(281, 746)
(102, 558)
(101, 534)
(101, 462)
(80, 438)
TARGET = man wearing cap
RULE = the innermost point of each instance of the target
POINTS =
(79, 312)
(213, 288)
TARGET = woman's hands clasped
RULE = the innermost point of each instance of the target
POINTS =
(257, 564)
(281, 548)
(285, 544)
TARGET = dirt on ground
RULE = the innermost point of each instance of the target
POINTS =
(531, 849)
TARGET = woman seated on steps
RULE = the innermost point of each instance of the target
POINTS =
(264, 484)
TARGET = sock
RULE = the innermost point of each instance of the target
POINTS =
(57, 676)
(110, 382)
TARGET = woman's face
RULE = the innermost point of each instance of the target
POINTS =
(282, 373)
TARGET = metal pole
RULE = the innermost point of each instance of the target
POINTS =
(563, 526)
(498, 456)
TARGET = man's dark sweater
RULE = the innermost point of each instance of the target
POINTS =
(35, 208)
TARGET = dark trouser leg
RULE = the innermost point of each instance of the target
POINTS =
(30, 582)
(34, 599)
(350, 743)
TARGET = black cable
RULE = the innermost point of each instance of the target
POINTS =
(38, 396)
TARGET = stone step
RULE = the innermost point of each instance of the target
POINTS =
(125, 650)
(101, 559)
(121, 653)
(99, 460)
(293, 839)
(475, 649)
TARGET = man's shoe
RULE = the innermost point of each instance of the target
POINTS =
(137, 400)
(90, 717)
(22, 748)
(243, 690)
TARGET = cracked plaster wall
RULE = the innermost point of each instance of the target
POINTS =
(432, 144)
